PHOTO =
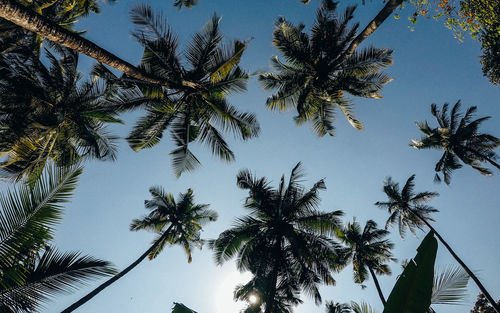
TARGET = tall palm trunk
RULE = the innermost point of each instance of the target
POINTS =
(274, 277)
(36, 23)
(469, 272)
(386, 11)
(94, 292)
(380, 294)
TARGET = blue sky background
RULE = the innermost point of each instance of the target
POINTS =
(430, 66)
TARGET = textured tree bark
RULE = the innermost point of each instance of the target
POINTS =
(379, 290)
(94, 292)
(373, 25)
(36, 23)
(469, 272)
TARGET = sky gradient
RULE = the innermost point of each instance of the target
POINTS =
(430, 66)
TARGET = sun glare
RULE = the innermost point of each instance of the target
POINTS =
(252, 299)
(224, 301)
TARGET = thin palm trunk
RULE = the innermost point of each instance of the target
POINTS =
(94, 292)
(379, 290)
(386, 11)
(44, 27)
(469, 272)
(495, 164)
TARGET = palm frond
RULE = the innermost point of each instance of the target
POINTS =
(450, 286)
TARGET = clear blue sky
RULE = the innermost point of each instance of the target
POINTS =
(430, 66)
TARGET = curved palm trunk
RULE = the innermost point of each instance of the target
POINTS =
(380, 294)
(44, 27)
(94, 292)
(469, 272)
(373, 25)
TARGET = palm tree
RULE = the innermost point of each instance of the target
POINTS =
(48, 29)
(459, 137)
(48, 114)
(31, 271)
(410, 211)
(63, 12)
(367, 250)
(285, 241)
(318, 73)
(199, 113)
(174, 223)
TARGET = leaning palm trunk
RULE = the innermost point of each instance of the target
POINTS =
(94, 292)
(379, 290)
(387, 10)
(44, 27)
(469, 272)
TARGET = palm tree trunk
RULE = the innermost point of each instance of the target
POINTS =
(492, 162)
(469, 272)
(380, 294)
(272, 292)
(386, 11)
(94, 292)
(270, 302)
(36, 23)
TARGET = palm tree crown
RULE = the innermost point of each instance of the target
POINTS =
(318, 71)
(183, 220)
(175, 223)
(194, 107)
(285, 241)
(403, 204)
(460, 139)
(367, 250)
(46, 114)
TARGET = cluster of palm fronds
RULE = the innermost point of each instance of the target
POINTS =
(49, 116)
(32, 271)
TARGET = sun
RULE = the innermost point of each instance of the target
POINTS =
(252, 299)
(223, 297)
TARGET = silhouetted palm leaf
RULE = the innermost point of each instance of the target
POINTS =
(50, 275)
(318, 72)
(285, 241)
(460, 139)
(46, 114)
(194, 108)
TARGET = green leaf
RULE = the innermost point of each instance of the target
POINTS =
(223, 70)
(413, 290)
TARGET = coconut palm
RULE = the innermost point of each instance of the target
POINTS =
(317, 74)
(367, 250)
(284, 241)
(200, 112)
(47, 114)
(63, 12)
(174, 222)
(29, 20)
(459, 137)
(410, 211)
(31, 271)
